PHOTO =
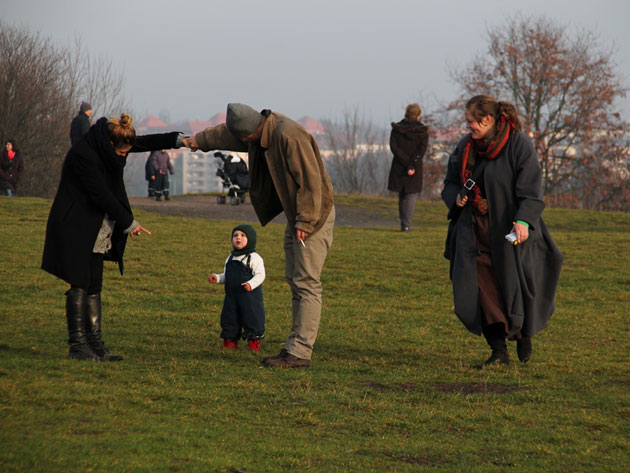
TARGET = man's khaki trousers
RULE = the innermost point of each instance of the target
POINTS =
(303, 267)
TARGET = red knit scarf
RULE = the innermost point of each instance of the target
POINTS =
(478, 149)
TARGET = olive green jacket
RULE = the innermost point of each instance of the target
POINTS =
(286, 171)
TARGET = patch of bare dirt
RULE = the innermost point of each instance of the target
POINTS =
(475, 388)
(400, 388)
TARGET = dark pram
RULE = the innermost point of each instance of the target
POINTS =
(233, 172)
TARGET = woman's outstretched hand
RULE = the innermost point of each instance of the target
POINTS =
(139, 229)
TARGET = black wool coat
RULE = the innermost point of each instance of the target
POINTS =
(527, 274)
(91, 185)
(79, 127)
(408, 142)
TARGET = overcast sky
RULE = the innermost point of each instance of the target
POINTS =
(315, 58)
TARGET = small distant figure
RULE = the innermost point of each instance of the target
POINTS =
(408, 142)
(243, 314)
(11, 168)
(162, 165)
(81, 123)
(149, 175)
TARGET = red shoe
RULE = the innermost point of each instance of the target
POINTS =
(254, 345)
(230, 344)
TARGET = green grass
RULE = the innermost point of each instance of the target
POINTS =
(389, 389)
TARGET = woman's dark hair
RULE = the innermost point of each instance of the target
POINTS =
(120, 131)
(13, 145)
(483, 105)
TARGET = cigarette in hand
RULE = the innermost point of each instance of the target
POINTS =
(302, 241)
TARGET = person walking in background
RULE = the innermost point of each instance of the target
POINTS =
(286, 174)
(493, 187)
(243, 314)
(11, 168)
(408, 142)
(81, 123)
(89, 222)
(149, 175)
(162, 167)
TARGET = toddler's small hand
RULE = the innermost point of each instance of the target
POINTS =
(212, 278)
(246, 286)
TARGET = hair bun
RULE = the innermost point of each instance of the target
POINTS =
(125, 120)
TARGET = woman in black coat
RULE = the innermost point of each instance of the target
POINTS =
(501, 289)
(11, 168)
(89, 222)
(408, 142)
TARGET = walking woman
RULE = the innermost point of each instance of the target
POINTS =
(408, 142)
(502, 289)
(11, 168)
(89, 222)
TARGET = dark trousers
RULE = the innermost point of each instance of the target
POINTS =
(243, 313)
(406, 206)
(161, 184)
(96, 274)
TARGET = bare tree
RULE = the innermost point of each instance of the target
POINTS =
(565, 87)
(41, 86)
(357, 155)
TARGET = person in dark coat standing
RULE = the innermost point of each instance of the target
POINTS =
(501, 289)
(149, 175)
(162, 165)
(81, 123)
(408, 142)
(89, 222)
(11, 168)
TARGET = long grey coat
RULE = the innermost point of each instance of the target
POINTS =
(528, 273)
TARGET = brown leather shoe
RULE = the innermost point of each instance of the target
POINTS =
(282, 354)
(286, 360)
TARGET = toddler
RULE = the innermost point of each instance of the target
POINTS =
(243, 314)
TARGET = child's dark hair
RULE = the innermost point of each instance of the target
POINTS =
(483, 105)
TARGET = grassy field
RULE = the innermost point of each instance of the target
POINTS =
(391, 389)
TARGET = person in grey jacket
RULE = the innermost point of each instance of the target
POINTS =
(502, 289)
(162, 167)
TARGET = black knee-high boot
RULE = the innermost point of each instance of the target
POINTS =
(93, 325)
(75, 314)
(495, 336)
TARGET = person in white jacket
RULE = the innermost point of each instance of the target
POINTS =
(243, 314)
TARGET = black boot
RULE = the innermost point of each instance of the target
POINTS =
(166, 196)
(75, 314)
(495, 336)
(524, 349)
(93, 325)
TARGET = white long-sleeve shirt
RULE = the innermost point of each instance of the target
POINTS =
(257, 265)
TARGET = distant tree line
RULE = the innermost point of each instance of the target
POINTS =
(41, 88)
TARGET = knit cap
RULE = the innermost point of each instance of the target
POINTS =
(85, 107)
(251, 239)
(242, 120)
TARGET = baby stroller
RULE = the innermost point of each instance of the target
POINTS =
(233, 172)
